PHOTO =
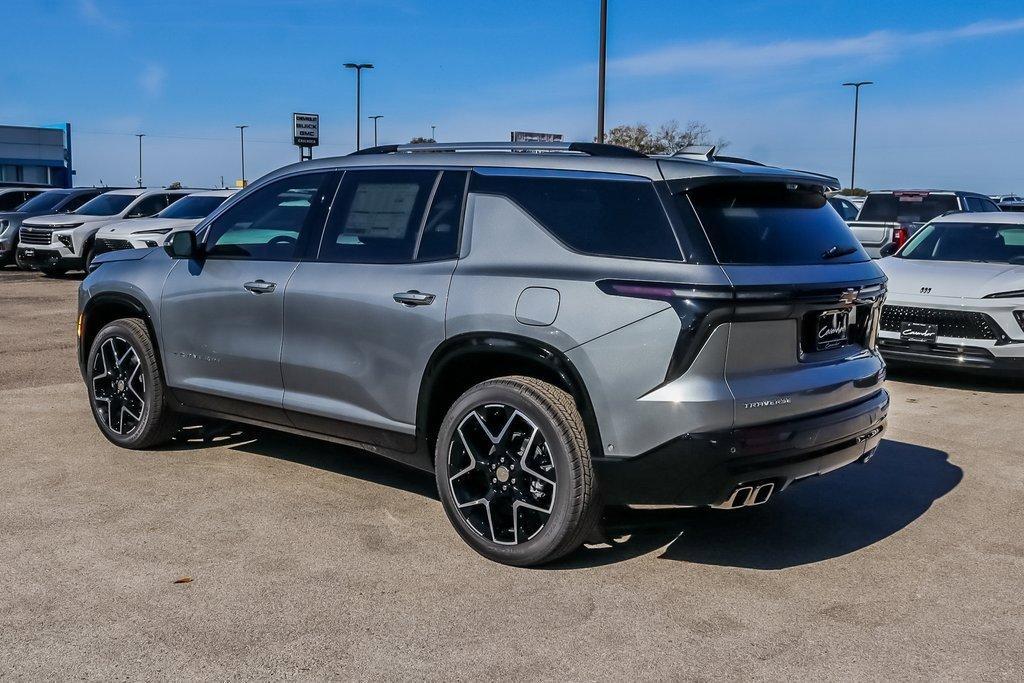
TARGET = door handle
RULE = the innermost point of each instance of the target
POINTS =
(260, 286)
(414, 298)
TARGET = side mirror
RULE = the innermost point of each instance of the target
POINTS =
(887, 250)
(182, 245)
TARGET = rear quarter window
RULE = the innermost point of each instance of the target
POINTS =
(769, 223)
(611, 216)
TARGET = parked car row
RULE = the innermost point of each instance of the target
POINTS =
(57, 230)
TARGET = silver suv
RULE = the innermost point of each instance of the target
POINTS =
(548, 328)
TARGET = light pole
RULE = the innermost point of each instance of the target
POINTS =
(375, 119)
(856, 111)
(359, 73)
(241, 135)
(601, 59)
(433, 132)
(140, 136)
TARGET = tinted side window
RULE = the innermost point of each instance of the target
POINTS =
(440, 238)
(76, 201)
(604, 217)
(148, 206)
(270, 223)
(9, 200)
(377, 215)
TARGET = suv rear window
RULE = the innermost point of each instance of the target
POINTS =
(767, 223)
(905, 207)
(605, 217)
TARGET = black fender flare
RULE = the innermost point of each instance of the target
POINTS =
(515, 346)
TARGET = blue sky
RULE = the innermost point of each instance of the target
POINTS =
(765, 74)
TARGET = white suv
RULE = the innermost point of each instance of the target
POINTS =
(956, 295)
(152, 232)
(58, 243)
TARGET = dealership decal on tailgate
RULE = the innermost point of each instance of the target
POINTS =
(833, 329)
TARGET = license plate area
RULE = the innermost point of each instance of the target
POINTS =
(919, 332)
(831, 329)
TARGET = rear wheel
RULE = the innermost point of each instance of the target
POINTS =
(514, 473)
(126, 391)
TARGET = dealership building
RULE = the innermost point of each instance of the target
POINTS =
(36, 156)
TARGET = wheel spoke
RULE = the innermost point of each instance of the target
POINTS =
(499, 491)
(119, 387)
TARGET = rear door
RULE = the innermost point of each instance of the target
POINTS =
(363, 317)
(222, 316)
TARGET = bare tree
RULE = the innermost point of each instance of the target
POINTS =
(669, 137)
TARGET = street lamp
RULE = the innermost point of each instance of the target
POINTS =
(359, 72)
(375, 118)
(601, 60)
(241, 135)
(433, 132)
(140, 136)
(856, 110)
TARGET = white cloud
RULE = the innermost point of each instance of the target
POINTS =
(730, 56)
(92, 13)
(151, 80)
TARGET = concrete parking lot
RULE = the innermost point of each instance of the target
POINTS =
(309, 560)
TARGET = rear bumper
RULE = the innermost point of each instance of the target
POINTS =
(950, 356)
(704, 469)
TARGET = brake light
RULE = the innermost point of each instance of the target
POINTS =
(900, 236)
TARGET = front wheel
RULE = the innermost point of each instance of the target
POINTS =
(514, 472)
(126, 391)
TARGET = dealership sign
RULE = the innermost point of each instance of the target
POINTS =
(525, 136)
(306, 129)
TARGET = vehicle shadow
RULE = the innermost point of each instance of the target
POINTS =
(818, 519)
(323, 455)
(956, 379)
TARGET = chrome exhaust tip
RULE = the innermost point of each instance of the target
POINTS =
(748, 495)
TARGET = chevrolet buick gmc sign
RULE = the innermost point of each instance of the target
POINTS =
(306, 129)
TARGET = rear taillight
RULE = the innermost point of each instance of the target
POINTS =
(900, 236)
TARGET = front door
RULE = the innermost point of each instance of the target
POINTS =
(363, 318)
(222, 315)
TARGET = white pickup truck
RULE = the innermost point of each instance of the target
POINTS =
(891, 217)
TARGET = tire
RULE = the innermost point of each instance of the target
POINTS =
(532, 497)
(126, 391)
(87, 259)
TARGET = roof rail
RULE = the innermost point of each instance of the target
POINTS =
(589, 148)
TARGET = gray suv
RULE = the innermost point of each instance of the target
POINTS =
(549, 328)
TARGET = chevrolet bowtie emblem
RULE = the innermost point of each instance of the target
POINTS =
(849, 296)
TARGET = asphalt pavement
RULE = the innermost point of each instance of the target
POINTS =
(240, 553)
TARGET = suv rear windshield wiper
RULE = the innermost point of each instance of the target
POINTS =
(836, 251)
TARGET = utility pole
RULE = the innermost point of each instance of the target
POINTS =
(856, 111)
(140, 136)
(241, 134)
(601, 62)
(375, 119)
(359, 86)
